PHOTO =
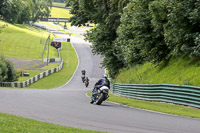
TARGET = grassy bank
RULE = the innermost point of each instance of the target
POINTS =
(24, 42)
(70, 59)
(180, 70)
(15, 124)
(155, 106)
(35, 72)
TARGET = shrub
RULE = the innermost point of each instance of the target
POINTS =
(7, 70)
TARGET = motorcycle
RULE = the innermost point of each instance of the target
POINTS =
(86, 83)
(102, 95)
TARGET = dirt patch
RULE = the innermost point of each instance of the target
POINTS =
(27, 64)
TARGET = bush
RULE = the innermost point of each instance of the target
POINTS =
(7, 71)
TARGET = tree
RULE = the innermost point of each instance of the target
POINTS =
(138, 40)
(11, 72)
(3, 70)
(3, 7)
(20, 11)
(7, 71)
(145, 31)
(106, 14)
(182, 27)
(40, 9)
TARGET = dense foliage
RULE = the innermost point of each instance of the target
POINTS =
(153, 30)
(133, 32)
(20, 11)
(7, 71)
(106, 14)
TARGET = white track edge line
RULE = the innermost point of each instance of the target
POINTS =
(75, 70)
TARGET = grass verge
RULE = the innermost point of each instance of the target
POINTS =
(178, 70)
(70, 60)
(16, 124)
(34, 72)
(155, 106)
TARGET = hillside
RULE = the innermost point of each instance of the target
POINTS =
(23, 45)
(180, 70)
(22, 41)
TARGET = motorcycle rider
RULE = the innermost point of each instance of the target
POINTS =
(83, 75)
(102, 82)
(86, 80)
(83, 72)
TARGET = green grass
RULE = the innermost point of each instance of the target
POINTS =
(70, 59)
(59, 4)
(65, 13)
(16, 124)
(34, 72)
(178, 70)
(181, 70)
(31, 72)
(155, 106)
(60, 13)
(22, 41)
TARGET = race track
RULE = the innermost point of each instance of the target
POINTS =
(69, 105)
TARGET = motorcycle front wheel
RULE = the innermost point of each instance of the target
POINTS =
(100, 99)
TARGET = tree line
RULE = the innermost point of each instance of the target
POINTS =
(22, 11)
(131, 32)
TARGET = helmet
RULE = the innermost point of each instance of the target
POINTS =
(105, 76)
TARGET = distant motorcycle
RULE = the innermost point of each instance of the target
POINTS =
(102, 95)
(86, 83)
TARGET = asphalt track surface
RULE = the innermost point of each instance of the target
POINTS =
(69, 106)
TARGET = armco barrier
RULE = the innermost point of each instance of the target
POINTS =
(177, 94)
(33, 79)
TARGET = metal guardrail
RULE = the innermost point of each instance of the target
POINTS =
(177, 94)
(33, 79)
(38, 26)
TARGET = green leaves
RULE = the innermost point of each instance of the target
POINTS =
(152, 30)
(20, 11)
(106, 14)
(138, 31)
(7, 71)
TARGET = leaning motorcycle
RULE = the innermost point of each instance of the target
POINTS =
(102, 95)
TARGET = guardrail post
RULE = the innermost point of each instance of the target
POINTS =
(47, 73)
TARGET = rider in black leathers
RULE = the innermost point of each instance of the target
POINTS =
(102, 82)
(83, 75)
(83, 72)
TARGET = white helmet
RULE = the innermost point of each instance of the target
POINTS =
(105, 76)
